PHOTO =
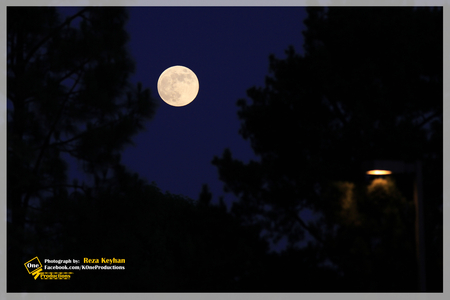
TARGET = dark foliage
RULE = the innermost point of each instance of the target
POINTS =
(369, 86)
(68, 96)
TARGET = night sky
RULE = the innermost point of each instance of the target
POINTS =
(228, 49)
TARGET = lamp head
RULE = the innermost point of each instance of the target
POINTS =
(387, 167)
(379, 172)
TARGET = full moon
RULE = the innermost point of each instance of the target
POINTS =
(178, 86)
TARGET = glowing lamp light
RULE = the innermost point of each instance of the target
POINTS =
(378, 172)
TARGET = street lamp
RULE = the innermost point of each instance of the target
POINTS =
(386, 167)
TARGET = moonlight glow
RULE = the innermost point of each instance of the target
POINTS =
(178, 86)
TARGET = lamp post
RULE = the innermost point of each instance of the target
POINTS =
(386, 167)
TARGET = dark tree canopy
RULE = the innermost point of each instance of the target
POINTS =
(369, 86)
(171, 243)
(68, 94)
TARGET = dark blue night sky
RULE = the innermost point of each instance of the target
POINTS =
(228, 49)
